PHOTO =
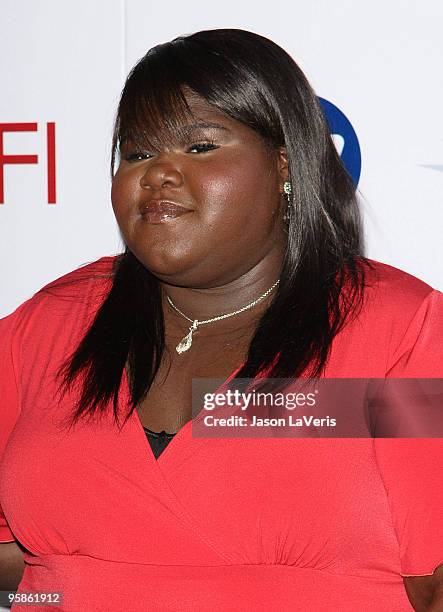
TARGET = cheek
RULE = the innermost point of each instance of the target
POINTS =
(241, 193)
(123, 192)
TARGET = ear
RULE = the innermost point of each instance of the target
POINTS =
(282, 166)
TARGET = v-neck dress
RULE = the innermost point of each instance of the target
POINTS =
(266, 524)
(158, 440)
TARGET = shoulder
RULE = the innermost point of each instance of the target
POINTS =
(390, 280)
(96, 272)
(62, 297)
(402, 319)
(392, 292)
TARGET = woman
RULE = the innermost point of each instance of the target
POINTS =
(243, 259)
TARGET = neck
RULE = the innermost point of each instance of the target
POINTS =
(204, 303)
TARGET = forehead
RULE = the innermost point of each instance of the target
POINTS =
(200, 112)
(153, 126)
(197, 104)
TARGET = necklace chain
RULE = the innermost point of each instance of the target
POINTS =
(186, 342)
(227, 315)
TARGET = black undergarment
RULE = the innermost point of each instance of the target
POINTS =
(158, 440)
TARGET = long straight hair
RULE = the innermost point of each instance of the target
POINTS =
(254, 81)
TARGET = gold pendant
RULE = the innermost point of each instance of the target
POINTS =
(186, 342)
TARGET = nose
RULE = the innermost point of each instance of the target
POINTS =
(161, 174)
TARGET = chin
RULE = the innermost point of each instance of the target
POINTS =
(167, 267)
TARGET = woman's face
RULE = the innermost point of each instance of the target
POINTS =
(230, 186)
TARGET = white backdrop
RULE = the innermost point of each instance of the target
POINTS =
(65, 63)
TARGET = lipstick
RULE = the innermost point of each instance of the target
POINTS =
(159, 211)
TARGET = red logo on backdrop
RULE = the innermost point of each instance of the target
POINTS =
(29, 159)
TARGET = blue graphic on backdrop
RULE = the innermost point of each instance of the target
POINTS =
(340, 124)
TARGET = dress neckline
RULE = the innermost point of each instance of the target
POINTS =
(178, 439)
(159, 434)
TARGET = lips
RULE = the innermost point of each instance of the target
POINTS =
(157, 211)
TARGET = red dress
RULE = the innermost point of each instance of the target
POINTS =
(218, 524)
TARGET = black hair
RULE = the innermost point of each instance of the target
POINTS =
(254, 81)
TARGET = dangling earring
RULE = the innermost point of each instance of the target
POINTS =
(287, 188)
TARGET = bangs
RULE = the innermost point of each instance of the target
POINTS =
(153, 105)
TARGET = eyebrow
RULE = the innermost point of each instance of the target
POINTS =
(188, 129)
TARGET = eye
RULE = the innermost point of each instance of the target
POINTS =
(200, 147)
(203, 146)
(136, 156)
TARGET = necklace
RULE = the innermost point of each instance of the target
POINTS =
(186, 342)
